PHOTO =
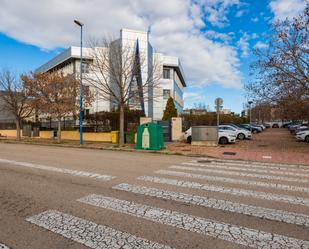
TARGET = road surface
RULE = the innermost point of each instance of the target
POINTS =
(52, 197)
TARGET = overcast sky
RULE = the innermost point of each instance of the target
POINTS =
(213, 38)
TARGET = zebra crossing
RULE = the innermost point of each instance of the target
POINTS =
(58, 170)
(2, 246)
(290, 190)
(89, 233)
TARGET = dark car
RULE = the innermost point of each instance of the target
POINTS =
(266, 125)
(249, 128)
(275, 125)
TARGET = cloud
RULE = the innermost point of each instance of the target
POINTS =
(243, 45)
(260, 45)
(254, 19)
(283, 9)
(216, 11)
(175, 30)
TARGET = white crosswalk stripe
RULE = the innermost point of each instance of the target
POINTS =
(266, 171)
(267, 165)
(2, 246)
(59, 170)
(226, 190)
(232, 233)
(89, 233)
(260, 212)
(238, 181)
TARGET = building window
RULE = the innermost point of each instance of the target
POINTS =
(85, 67)
(166, 73)
(166, 93)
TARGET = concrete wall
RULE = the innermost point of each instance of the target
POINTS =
(177, 134)
(46, 134)
(87, 136)
(9, 133)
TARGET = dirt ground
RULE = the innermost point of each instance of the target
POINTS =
(272, 145)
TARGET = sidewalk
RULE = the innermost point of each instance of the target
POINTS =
(273, 145)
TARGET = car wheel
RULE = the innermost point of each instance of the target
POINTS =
(241, 136)
(223, 140)
(254, 131)
(307, 138)
(189, 139)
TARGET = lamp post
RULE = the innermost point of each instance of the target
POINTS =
(80, 83)
(250, 102)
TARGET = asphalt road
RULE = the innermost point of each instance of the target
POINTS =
(53, 197)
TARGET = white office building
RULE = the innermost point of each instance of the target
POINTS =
(171, 84)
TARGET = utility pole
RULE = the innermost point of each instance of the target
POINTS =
(218, 103)
(250, 102)
(80, 83)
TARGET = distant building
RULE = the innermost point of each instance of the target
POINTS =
(172, 83)
(195, 111)
(5, 115)
(245, 113)
(226, 111)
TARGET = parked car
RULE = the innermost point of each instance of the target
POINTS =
(303, 135)
(301, 129)
(259, 125)
(250, 128)
(266, 125)
(286, 125)
(275, 125)
(224, 136)
(295, 128)
(240, 133)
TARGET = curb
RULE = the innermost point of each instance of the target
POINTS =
(147, 151)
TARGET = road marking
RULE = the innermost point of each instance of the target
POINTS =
(59, 170)
(220, 230)
(260, 212)
(237, 181)
(225, 190)
(266, 171)
(2, 246)
(89, 233)
(256, 164)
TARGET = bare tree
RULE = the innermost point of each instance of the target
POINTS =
(15, 98)
(282, 69)
(54, 94)
(116, 74)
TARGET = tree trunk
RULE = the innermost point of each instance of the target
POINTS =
(121, 126)
(59, 130)
(18, 136)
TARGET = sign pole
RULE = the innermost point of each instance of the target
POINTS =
(218, 103)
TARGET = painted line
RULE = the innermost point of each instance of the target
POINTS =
(234, 207)
(59, 170)
(89, 233)
(266, 171)
(232, 191)
(220, 230)
(267, 164)
(238, 181)
(2, 246)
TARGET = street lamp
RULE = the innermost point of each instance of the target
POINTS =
(80, 83)
(250, 102)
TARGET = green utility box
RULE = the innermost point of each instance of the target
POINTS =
(149, 137)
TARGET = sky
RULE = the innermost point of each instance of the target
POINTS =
(214, 39)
